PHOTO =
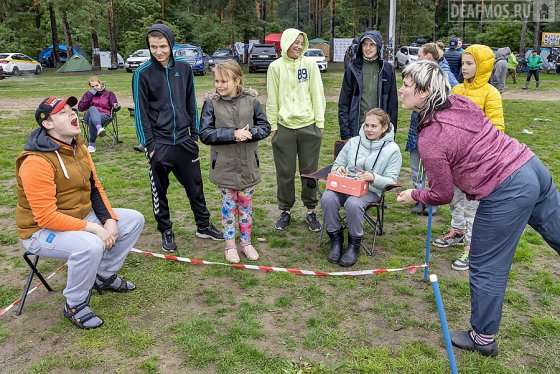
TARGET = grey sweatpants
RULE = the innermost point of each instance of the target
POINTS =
(85, 252)
(332, 201)
(288, 146)
(462, 213)
(528, 196)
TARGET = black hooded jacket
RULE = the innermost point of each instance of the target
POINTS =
(164, 99)
(351, 90)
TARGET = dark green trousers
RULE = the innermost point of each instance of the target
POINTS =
(288, 147)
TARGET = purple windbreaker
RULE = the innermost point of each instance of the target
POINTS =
(103, 101)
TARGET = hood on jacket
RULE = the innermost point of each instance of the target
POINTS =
(502, 53)
(39, 141)
(289, 36)
(376, 37)
(369, 144)
(166, 31)
(484, 59)
(214, 95)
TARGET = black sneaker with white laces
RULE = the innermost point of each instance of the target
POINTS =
(312, 221)
(283, 221)
(168, 241)
(210, 232)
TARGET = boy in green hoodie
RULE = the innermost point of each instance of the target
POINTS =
(296, 112)
(534, 63)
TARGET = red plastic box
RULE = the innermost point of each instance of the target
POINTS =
(347, 185)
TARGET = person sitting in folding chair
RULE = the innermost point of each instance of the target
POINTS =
(63, 212)
(373, 156)
(97, 104)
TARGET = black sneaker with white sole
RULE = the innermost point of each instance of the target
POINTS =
(312, 221)
(283, 221)
(168, 241)
(210, 232)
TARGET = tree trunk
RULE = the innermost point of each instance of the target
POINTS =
(67, 35)
(37, 14)
(523, 37)
(112, 36)
(297, 14)
(437, 16)
(54, 33)
(95, 58)
(537, 30)
(371, 14)
(331, 34)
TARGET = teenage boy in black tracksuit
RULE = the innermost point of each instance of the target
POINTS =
(369, 82)
(166, 121)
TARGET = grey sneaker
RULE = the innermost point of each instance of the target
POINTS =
(462, 263)
(449, 239)
(168, 241)
(312, 221)
(283, 221)
(211, 232)
(101, 132)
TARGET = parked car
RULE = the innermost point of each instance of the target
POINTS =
(136, 59)
(261, 55)
(17, 63)
(318, 56)
(223, 54)
(194, 56)
(405, 56)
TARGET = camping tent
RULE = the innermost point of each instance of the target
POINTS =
(76, 63)
(45, 56)
(321, 44)
(273, 39)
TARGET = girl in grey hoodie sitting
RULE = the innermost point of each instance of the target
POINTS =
(372, 156)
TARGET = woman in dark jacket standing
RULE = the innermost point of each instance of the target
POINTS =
(232, 122)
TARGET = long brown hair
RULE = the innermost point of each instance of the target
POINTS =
(433, 49)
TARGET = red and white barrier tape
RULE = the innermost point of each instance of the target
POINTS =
(7, 309)
(412, 268)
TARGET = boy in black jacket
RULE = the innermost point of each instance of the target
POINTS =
(166, 121)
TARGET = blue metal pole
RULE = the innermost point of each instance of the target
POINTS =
(428, 242)
(443, 322)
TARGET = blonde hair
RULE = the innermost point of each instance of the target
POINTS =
(94, 78)
(433, 49)
(383, 118)
(428, 77)
(231, 70)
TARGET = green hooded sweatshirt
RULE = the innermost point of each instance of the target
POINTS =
(295, 90)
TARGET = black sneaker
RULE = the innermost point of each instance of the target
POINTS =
(283, 221)
(168, 241)
(314, 225)
(211, 232)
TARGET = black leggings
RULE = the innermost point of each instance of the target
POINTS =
(534, 72)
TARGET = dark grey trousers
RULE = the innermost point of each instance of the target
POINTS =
(301, 146)
(355, 207)
(528, 196)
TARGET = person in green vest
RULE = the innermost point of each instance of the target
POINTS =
(512, 67)
(534, 63)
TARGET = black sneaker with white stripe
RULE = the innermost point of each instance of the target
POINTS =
(210, 232)
(312, 221)
(168, 241)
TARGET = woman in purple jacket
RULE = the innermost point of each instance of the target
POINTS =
(97, 104)
(460, 146)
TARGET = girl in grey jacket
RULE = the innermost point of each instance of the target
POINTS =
(232, 122)
(372, 156)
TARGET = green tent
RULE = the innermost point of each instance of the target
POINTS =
(318, 40)
(75, 63)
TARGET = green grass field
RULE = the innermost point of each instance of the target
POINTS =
(212, 319)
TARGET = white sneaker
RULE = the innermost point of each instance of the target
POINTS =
(101, 132)
(91, 148)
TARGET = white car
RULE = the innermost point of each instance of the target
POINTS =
(136, 59)
(318, 56)
(17, 63)
(405, 56)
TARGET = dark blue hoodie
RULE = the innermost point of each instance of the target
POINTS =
(351, 90)
(164, 99)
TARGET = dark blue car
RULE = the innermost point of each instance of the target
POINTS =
(194, 56)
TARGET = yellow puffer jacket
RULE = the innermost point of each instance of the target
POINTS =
(486, 96)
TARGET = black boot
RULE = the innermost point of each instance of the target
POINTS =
(418, 208)
(337, 241)
(351, 255)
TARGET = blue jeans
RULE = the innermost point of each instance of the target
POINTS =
(528, 196)
(94, 120)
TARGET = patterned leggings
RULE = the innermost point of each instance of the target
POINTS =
(238, 203)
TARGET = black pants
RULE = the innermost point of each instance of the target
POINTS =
(534, 72)
(181, 160)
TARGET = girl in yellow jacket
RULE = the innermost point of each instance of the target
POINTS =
(477, 64)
